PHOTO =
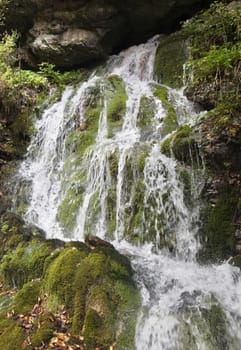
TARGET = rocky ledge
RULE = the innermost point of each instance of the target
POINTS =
(78, 32)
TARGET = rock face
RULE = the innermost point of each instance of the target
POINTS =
(78, 32)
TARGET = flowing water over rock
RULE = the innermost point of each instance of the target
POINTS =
(95, 166)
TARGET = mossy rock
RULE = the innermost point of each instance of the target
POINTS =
(60, 276)
(135, 222)
(181, 145)
(44, 333)
(95, 287)
(111, 210)
(212, 326)
(185, 178)
(218, 229)
(93, 329)
(170, 122)
(22, 130)
(27, 297)
(12, 335)
(24, 263)
(77, 144)
(68, 209)
(171, 54)
(116, 107)
(146, 112)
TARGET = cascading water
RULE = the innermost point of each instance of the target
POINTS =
(95, 166)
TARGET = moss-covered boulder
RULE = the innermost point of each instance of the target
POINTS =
(65, 291)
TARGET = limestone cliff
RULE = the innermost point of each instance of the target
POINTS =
(71, 33)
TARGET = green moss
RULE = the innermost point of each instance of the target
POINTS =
(171, 54)
(100, 300)
(81, 285)
(27, 297)
(77, 144)
(24, 263)
(92, 214)
(181, 144)
(6, 302)
(93, 329)
(118, 264)
(44, 333)
(212, 326)
(12, 335)
(170, 122)
(69, 206)
(114, 302)
(129, 307)
(218, 230)
(111, 210)
(141, 161)
(187, 186)
(135, 223)
(95, 287)
(60, 276)
(113, 165)
(146, 112)
(116, 97)
(22, 129)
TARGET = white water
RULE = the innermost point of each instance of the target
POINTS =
(175, 289)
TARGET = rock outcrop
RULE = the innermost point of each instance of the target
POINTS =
(74, 33)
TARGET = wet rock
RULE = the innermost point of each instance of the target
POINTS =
(94, 241)
(235, 260)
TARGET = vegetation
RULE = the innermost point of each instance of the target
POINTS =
(214, 68)
(170, 123)
(181, 144)
(116, 108)
(213, 79)
(171, 54)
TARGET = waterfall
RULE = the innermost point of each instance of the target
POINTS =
(95, 166)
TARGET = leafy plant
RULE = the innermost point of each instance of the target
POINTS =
(214, 65)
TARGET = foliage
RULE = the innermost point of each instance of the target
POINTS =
(3, 9)
(12, 76)
(215, 62)
(214, 27)
(53, 76)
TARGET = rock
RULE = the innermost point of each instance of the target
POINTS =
(93, 242)
(235, 260)
(68, 48)
(79, 32)
(83, 126)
